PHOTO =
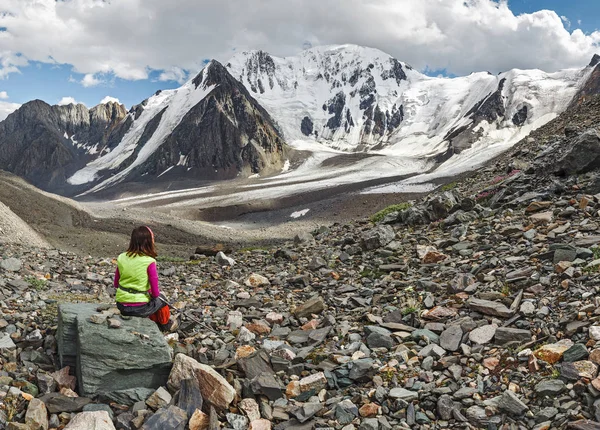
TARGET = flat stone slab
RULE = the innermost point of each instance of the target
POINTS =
(114, 362)
(66, 335)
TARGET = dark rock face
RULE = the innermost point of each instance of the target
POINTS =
(307, 126)
(396, 72)
(592, 85)
(336, 108)
(227, 131)
(520, 117)
(490, 109)
(45, 144)
(584, 155)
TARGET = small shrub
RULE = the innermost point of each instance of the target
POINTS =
(38, 284)
(450, 186)
(379, 216)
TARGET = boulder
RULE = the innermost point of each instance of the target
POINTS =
(172, 418)
(37, 415)
(111, 361)
(583, 156)
(213, 387)
(315, 305)
(377, 237)
(98, 420)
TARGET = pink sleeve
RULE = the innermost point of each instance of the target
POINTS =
(153, 279)
(117, 277)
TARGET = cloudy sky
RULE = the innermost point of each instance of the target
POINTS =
(65, 51)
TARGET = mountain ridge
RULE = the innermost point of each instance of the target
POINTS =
(235, 121)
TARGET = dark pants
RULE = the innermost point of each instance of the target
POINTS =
(143, 311)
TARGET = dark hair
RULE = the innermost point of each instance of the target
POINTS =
(142, 242)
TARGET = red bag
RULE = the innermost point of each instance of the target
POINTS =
(161, 316)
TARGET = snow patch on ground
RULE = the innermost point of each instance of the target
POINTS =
(299, 214)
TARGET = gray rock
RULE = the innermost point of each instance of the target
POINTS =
(582, 156)
(487, 307)
(445, 407)
(317, 263)
(451, 338)
(11, 264)
(135, 356)
(369, 424)
(565, 254)
(93, 407)
(315, 305)
(189, 398)
(403, 394)
(432, 350)
(577, 352)
(425, 334)
(377, 237)
(97, 420)
(380, 340)
(510, 403)
(550, 387)
(484, 334)
(57, 403)
(6, 342)
(223, 260)
(506, 336)
(266, 385)
(477, 416)
(172, 418)
(303, 238)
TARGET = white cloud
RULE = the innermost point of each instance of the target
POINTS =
(89, 80)
(128, 38)
(109, 99)
(3, 95)
(68, 101)
(566, 20)
(174, 74)
(6, 108)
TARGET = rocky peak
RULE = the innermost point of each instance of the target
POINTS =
(595, 60)
(108, 112)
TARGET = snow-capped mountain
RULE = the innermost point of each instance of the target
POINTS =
(353, 98)
(236, 121)
(210, 128)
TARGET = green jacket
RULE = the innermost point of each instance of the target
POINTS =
(133, 275)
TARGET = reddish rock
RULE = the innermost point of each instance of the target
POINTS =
(199, 421)
(491, 363)
(439, 312)
(369, 410)
(553, 352)
(259, 327)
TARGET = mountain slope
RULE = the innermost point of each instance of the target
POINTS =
(357, 99)
(210, 127)
(44, 143)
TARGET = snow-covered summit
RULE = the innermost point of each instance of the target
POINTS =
(354, 98)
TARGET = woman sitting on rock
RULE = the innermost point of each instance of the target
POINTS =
(136, 281)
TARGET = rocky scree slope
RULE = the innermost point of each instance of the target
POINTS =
(474, 308)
